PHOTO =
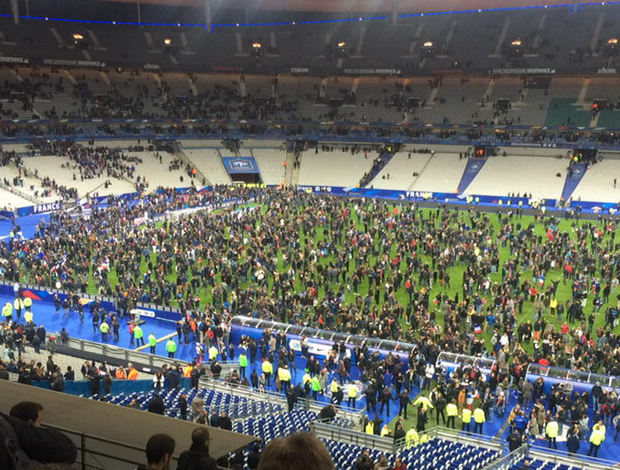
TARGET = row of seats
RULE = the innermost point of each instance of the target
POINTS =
(544, 465)
(435, 454)
(236, 407)
(432, 455)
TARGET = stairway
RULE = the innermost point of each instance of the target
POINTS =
(22, 194)
(291, 174)
(379, 164)
(180, 153)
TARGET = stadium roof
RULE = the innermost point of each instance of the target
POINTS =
(366, 6)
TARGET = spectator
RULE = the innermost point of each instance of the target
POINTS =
(42, 445)
(159, 450)
(197, 457)
(299, 451)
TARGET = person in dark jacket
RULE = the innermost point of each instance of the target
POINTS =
(159, 450)
(174, 379)
(422, 419)
(328, 413)
(182, 404)
(57, 382)
(197, 457)
(225, 421)
(107, 383)
(156, 405)
(214, 419)
(573, 439)
(4, 374)
(514, 440)
(43, 445)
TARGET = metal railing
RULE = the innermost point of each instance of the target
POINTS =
(355, 416)
(574, 461)
(572, 375)
(324, 430)
(242, 391)
(120, 354)
(267, 396)
(448, 434)
(508, 461)
(101, 453)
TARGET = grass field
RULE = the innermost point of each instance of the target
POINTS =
(456, 272)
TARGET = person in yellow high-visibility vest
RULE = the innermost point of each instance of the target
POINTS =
(596, 438)
(105, 329)
(452, 411)
(284, 376)
(370, 427)
(213, 352)
(479, 419)
(551, 431)
(27, 303)
(315, 386)
(412, 438)
(306, 378)
(18, 304)
(7, 312)
(385, 431)
(243, 363)
(267, 369)
(466, 420)
(351, 395)
(28, 317)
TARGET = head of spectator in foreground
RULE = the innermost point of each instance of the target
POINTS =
(299, 451)
(28, 411)
(200, 439)
(159, 450)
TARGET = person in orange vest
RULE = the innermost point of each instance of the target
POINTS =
(133, 373)
(120, 373)
(187, 372)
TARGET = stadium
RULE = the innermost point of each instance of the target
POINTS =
(277, 234)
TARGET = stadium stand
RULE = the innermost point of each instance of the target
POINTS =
(441, 173)
(271, 164)
(333, 168)
(502, 176)
(208, 161)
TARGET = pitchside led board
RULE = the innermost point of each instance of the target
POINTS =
(242, 169)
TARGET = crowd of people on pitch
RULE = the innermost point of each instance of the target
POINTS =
(366, 268)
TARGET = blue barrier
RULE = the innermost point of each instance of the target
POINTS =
(82, 387)
(46, 295)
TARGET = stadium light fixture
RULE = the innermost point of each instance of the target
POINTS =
(167, 41)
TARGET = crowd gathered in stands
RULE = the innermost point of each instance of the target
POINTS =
(140, 97)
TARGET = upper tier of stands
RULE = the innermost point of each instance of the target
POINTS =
(553, 37)
(555, 101)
